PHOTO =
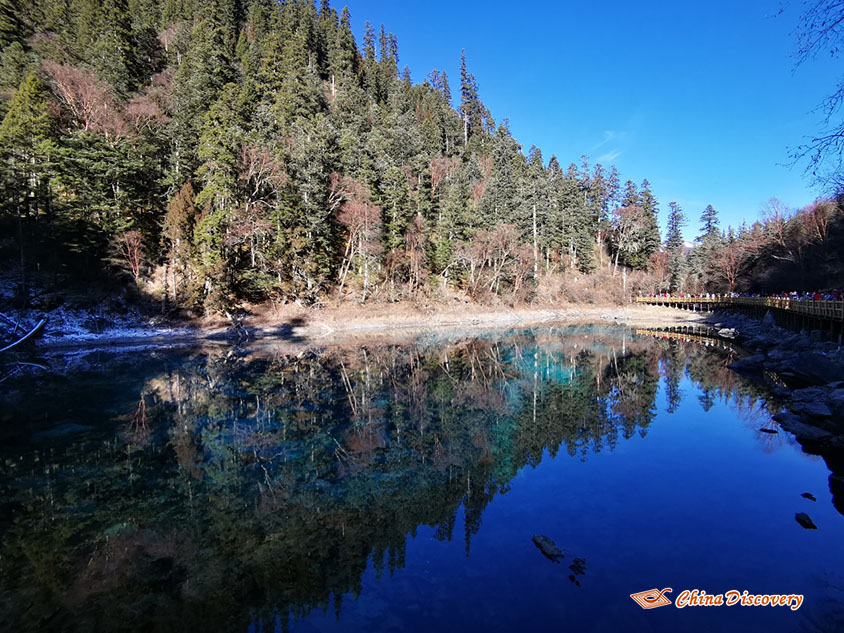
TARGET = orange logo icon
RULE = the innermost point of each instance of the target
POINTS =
(652, 598)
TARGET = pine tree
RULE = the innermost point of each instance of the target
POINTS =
(709, 224)
(674, 243)
(206, 66)
(178, 231)
(300, 93)
(343, 56)
(27, 142)
(471, 108)
(14, 65)
(676, 222)
(313, 159)
(396, 208)
(702, 258)
(500, 202)
(219, 147)
(650, 239)
(114, 54)
(26, 146)
(536, 204)
(12, 26)
(631, 195)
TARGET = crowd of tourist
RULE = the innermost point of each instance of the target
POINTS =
(817, 295)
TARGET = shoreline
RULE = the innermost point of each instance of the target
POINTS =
(335, 324)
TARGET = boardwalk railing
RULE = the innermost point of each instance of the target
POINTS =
(826, 310)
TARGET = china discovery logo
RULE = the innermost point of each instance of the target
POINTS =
(652, 598)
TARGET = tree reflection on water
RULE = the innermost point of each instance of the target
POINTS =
(214, 489)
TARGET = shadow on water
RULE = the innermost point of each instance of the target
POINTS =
(217, 491)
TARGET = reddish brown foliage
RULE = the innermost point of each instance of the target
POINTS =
(260, 174)
(129, 247)
(441, 169)
(88, 100)
(144, 112)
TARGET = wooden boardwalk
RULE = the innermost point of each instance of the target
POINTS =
(820, 309)
(826, 316)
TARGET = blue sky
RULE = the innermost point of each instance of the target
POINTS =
(703, 99)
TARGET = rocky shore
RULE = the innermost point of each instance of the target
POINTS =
(806, 374)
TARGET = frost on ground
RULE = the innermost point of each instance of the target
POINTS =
(68, 326)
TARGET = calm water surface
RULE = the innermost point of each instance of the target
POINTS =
(398, 487)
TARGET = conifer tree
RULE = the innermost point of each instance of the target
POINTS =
(650, 240)
(206, 66)
(674, 232)
(12, 25)
(500, 202)
(674, 243)
(26, 146)
(631, 195)
(701, 261)
(27, 141)
(709, 223)
(114, 54)
(397, 210)
(471, 109)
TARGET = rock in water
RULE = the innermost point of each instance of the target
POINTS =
(578, 566)
(809, 496)
(816, 368)
(548, 548)
(804, 520)
(769, 431)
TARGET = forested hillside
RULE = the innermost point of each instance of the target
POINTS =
(219, 152)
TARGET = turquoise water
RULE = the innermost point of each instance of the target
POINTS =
(398, 488)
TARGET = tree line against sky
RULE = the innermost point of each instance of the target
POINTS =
(236, 150)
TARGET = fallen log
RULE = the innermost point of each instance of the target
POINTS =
(31, 334)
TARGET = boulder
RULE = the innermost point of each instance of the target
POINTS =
(835, 399)
(748, 363)
(814, 368)
(779, 354)
(778, 366)
(807, 432)
(809, 394)
(779, 391)
(811, 409)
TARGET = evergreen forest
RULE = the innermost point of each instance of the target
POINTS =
(208, 155)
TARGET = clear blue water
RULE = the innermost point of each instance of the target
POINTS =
(397, 488)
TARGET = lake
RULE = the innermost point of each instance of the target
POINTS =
(397, 486)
